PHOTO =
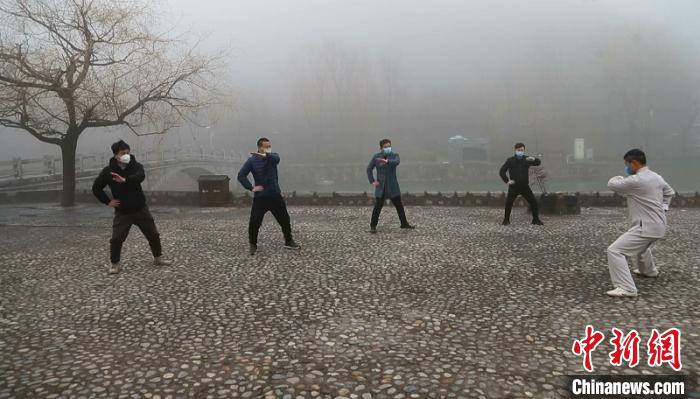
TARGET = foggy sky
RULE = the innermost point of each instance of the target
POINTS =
(438, 45)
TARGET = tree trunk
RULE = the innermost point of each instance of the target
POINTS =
(68, 150)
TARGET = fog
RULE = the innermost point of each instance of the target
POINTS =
(327, 79)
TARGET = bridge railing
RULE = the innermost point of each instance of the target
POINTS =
(19, 169)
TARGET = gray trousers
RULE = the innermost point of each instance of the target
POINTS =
(120, 230)
(630, 245)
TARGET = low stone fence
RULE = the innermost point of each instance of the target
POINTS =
(191, 198)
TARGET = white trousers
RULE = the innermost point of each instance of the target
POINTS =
(630, 245)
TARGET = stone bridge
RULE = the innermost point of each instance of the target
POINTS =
(161, 166)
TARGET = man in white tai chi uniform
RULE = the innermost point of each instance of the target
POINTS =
(648, 198)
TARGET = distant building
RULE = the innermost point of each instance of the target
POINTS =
(462, 149)
(695, 140)
(581, 153)
(579, 149)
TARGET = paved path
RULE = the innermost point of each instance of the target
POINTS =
(460, 307)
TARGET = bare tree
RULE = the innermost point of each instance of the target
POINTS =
(336, 95)
(654, 76)
(67, 66)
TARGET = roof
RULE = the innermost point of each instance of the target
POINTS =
(206, 178)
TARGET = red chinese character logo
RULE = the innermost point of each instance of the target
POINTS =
(587, 345)
(626, 348)
(665, 348)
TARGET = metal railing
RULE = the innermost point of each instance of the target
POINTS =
(19, 169)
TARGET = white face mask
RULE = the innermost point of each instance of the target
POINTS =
(267, 150)
(126, 158)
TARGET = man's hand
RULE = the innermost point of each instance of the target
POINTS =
(257, 189)
(375, 183)
(114, 203)
(259, 154)
(511, 182)
(382, 161)
(117, 178)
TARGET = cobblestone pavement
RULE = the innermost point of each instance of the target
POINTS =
(460, 307)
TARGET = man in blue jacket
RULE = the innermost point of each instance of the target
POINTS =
(386, 184)
(267, 194)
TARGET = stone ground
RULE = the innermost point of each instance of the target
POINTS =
(460, 307)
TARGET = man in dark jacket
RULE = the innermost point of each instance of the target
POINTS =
(124, 175)
(517, 179)
(386, 185)
(267, 194)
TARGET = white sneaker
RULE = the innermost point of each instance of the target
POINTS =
(161, 261)
(639, 273)
(619, 292)
(113, 268)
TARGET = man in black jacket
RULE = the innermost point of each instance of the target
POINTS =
(518, 182)
(124, 175)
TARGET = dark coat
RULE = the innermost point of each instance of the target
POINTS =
(518, 170)
(386, 175)
(264, 172)
(129, 193)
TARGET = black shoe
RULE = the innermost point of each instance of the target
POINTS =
(505, 222)
(537, 222)
(292, 245)
(373, 229)
(253, 249)
(408, 226)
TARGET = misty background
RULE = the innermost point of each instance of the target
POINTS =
(325, 80)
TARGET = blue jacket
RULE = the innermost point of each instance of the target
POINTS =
(264, 172)
(386, 175)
